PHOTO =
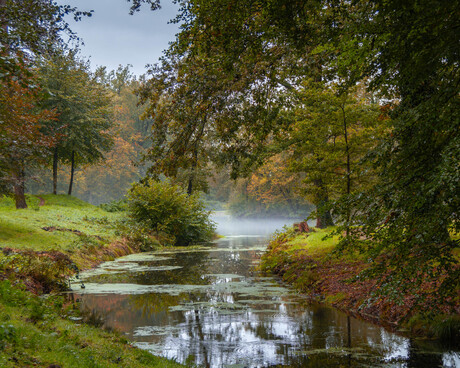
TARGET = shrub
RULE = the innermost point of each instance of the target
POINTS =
(166, 211)
(48, 269)
(114, 206)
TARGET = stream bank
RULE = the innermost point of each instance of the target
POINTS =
(40, 247)
(210, 306)
(306, 262)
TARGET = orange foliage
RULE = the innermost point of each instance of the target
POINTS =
(21, 122)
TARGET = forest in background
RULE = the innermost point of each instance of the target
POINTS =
(351, 106)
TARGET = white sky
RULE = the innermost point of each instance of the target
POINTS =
(112, 36)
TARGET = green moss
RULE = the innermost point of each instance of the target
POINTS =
(334, 298)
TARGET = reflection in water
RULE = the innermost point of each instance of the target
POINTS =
(209, 307)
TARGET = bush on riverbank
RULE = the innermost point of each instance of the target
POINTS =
(310, 264)
(166, 212)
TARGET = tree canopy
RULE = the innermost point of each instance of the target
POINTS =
(407, 53)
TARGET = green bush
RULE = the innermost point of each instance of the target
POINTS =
(166, 211)
(114, 206)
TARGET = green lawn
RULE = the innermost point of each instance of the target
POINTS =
(69, 222)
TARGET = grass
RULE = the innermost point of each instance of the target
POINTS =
(40, 332)
(47, 241)
(315, 243)
(66, 217)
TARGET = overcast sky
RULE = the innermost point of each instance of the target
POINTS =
(114, 37)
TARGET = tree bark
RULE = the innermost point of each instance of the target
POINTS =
(190, 185)
(323, 214)
(347, 152)
(324, 217)
(192, 172)
(55, 169)
(19, 188)
(72, 170)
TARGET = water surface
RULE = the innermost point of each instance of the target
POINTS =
(209, 306)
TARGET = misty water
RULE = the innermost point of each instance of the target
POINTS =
(209, 306)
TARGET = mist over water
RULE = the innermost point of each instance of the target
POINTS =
(230, 226)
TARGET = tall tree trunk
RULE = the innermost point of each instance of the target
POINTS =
(324, 217)
(323, 214)
(190, 185)
(55, 170)
(192, 172)
(19, 188)
(72, 170)
(347, 153)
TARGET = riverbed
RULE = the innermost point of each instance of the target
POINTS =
(209, 306)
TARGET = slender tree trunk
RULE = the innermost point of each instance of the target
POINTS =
(192, 172)
(190, 186)
(347, 153)
(19, 188)
(72, 170)
(55, 170)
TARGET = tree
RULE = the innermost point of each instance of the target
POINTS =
(277, 188)
(110, 179)
(180, 106)
(27, 28)
(237, 96)
(84, 108)
(331, 135)
(22, 143)
(30, 27)
(408, 51)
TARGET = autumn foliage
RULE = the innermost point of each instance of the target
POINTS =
(22, 142)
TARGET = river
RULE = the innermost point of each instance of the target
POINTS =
(209, 306)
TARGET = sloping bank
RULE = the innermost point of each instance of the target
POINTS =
(40, 246)
(307, 262)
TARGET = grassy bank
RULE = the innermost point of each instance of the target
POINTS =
(308, 263)
(86, 233)
(40, 245)
(43, 332)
